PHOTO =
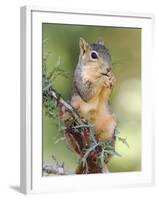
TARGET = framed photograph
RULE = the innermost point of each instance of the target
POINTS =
(86, 100)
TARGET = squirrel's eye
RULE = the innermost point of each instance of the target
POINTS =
(94, 55)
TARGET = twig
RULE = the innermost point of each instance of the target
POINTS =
(55, 168)
(57, 96)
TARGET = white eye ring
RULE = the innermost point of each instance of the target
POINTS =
(93, 55)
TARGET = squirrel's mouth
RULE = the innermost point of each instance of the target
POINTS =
(104, 74)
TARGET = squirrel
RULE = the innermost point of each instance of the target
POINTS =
(92, 86)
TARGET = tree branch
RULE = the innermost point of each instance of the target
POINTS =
(59, 99)
(55, 168)
(93, 154)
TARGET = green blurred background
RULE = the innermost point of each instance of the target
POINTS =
(124, 45)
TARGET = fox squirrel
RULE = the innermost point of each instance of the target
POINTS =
(92, 86)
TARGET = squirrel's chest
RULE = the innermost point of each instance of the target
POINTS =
(85, 108)
(91, 109)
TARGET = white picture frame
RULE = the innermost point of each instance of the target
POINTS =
(31, 139)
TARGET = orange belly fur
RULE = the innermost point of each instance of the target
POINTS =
(97, 114)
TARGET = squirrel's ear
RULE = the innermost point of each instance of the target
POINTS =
(100, 41)
(83, 45)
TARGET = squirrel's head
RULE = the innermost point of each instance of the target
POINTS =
(95, 55)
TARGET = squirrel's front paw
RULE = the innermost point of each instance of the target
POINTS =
(109, 80)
